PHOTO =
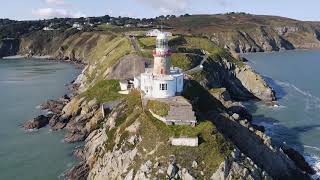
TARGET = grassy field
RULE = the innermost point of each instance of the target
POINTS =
(104, 91)
(159, 108)
(185, 61)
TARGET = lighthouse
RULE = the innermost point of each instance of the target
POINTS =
(163, 80)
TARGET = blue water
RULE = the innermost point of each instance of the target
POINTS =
(24, 84)
(295, 77)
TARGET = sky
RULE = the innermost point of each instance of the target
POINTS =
(44, 9)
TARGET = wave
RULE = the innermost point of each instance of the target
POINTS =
(312, 147)
(312, 101)
(314, 161)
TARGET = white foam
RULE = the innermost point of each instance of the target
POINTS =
(314, 161)
(312, 101)
(277, 107)
(312, 147)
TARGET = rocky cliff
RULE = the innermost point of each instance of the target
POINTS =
(9, 47)
(125, 142)
(242, 32)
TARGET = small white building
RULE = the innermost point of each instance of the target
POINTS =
(48, 29)
(162, 81)
(77, 26)
(153, 33)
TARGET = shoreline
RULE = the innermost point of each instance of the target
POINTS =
(312, 159)
(280, 51)
(63, 73)
(77, 62)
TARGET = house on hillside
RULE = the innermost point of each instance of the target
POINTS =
(153, 33)
(48, 29)
(77, 26)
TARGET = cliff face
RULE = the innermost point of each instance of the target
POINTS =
(9, 47)
(241, 81)
(251, 33)
(131, 144)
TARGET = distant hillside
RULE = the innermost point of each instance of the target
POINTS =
(250, 33)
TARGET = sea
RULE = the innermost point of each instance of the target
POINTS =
(295, 77)
(24, 85)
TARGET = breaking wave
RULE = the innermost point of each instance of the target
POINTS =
(312, 101)
(314, 161)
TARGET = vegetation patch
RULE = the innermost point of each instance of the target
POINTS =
(110, 143)
(147, 42)
(150, 42)
(200, 43)
(185, 61)
(104, 91)
(212, 150)
(159, 108)
(217, 90)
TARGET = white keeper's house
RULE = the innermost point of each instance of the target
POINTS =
(163, 80)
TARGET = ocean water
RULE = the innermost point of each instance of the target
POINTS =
(295, 76)
(38, 155)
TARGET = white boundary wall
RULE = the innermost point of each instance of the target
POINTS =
(192, 142)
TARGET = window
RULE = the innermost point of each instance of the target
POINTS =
(163, 87)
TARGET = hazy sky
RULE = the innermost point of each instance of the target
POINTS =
(39, 9)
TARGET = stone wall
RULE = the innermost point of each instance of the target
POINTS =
(192, 142)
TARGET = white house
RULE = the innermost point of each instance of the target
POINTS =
(77, 26)
(48, 29)
(162, 81)
(153, 32)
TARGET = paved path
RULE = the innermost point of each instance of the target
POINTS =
(135, 43)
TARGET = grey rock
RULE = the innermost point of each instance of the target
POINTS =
(79, 172)
(194, 164)
(74, 137)
(37, 123)
(172, 170)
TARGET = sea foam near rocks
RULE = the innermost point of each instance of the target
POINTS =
(314, 161)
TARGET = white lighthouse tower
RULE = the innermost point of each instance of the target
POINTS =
(161, 81)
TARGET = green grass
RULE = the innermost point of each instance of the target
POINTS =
(200, 43)
(110, 143)
(147, 42)
(105, 27)
(150, 42)
(109, 50)
(104, 91)
(185, 61)
(159, 108)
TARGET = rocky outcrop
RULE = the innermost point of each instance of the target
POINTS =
(37, 123)
(241, 82)
(239, 166)
(55, 106)
(250, 33)
(259, 148)
(9, 47)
